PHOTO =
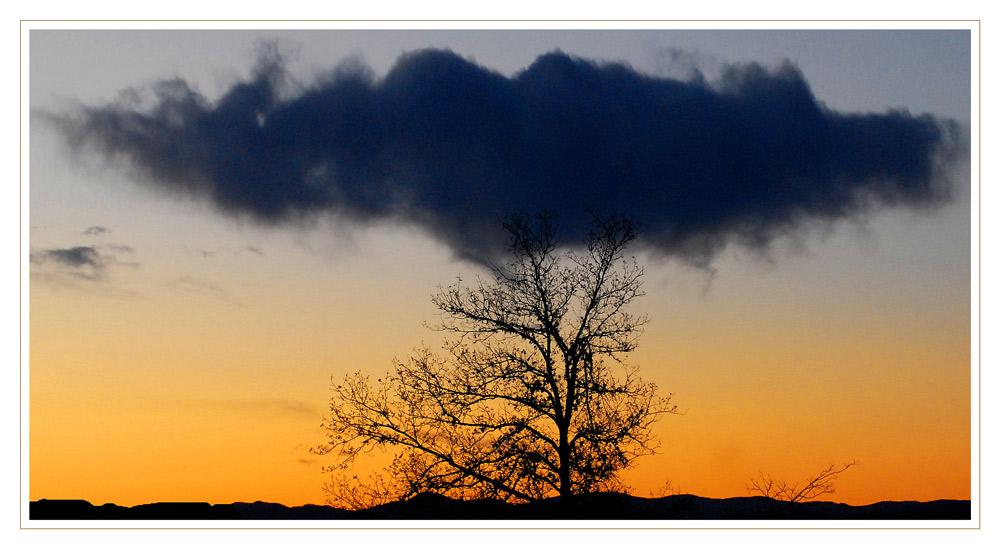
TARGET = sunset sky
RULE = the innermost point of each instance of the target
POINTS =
(190, 297)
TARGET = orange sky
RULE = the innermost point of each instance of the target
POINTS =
(182, 394)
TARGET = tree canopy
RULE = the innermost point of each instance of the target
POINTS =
(532, 396)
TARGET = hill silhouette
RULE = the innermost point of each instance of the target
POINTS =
(601, 506)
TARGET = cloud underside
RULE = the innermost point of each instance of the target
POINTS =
(451, 146)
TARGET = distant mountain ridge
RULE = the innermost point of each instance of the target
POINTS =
(605, 506)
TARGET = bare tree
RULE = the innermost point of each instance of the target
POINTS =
(533, 397)
(780, 490)
(353, 493)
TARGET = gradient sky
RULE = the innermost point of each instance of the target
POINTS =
(182, 354)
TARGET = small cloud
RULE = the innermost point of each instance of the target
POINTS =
(121, 248)
(96, 230)
(69, 266)
(77, 257)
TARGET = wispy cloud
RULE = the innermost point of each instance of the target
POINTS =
(449, 145)
(96, 230)
(302, 450)
(195, 285)
(121, 248)
(230, 250)
(266, 406)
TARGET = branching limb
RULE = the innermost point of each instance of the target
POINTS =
(821, 484)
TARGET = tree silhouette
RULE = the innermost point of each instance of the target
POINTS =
(816, 486)
(533, 397)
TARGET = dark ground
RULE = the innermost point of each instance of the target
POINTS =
(586, 507)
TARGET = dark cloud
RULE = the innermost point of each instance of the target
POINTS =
(445, 144)
(80, 262)
(78, 257)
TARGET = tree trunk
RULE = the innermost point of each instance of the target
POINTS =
(565, 484)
